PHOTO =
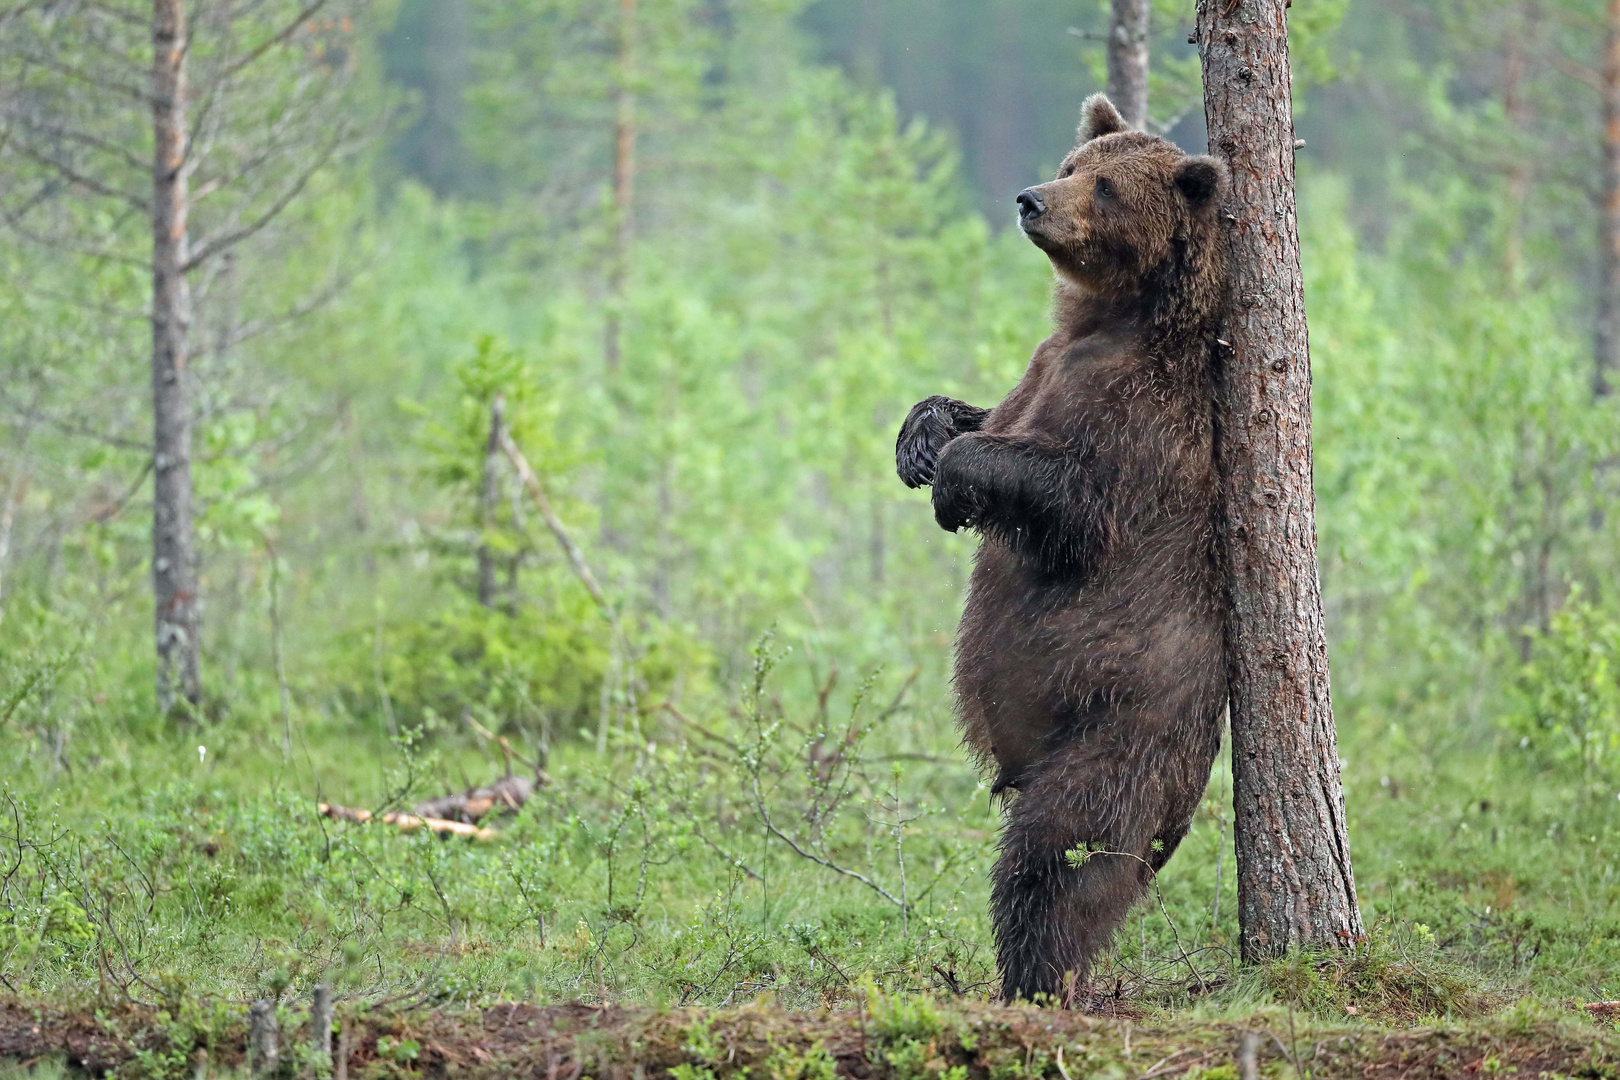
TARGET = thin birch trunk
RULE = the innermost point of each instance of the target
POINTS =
(8, 523)
(174, 569)
(1128, 60)
(277, 657)
(1295, 885)
(624, 180)
(624, 177)
(1608, 322)
(1516, 110)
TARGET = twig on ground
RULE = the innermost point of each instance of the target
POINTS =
(472, 805)
(1158, 893)
(1165, 1064)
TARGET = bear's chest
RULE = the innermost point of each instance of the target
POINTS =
(1089, 383)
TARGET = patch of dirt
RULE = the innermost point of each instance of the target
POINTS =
(95, 1041)
(898, 1041)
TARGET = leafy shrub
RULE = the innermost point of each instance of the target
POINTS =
(537, 651)
(540, 667)
(1567, 716)
(898, 1017)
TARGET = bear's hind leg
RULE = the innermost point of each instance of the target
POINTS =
(1073, 860)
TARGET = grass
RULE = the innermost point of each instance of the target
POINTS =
(763, 852)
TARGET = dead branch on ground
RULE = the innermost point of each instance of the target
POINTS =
(407, 822)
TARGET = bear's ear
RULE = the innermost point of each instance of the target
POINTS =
(1098, 117)
(1200, 179)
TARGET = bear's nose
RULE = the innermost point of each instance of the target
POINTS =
(1030, 204)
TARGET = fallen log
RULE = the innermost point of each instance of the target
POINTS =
(471, 805)
(407, 822)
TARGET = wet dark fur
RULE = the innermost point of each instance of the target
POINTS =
(1089, 666)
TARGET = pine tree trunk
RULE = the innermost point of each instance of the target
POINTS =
(1128, 60)
(1516, 111)
(174, 567)
(1295, 885)
(1608, 322)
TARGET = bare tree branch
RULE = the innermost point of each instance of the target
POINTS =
(278, 38)
(84, 138)
(111, 510)
(74, 176)
(272, 148)
(14, 222)
(576, 558)
(207, 249)
(138, 94)
(308, 304)
(71, 427)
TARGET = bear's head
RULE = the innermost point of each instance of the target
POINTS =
(1129, 212)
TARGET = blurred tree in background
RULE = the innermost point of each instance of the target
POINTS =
(160, 141)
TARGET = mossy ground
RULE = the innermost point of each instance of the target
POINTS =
(893, 1038)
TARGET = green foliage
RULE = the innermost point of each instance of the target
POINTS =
(1312, 48)
(789, 1063)
(1568, 716)
(896, 1017)
(1457, 439)
(538, 669)
(645, 872)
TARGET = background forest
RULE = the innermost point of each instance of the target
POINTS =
(701, 256)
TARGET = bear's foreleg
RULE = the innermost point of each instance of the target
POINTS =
(1048, 501)
(1075, 855)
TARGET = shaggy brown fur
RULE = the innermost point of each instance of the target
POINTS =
(1089, 668)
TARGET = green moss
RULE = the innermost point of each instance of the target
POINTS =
(1394, 975)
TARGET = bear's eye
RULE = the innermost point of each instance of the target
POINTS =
(1105, 188)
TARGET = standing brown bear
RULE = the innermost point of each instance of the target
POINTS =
(1089, 663)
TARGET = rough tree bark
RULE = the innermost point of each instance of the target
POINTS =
(1295, 886)
(174, 565)
(1607, 345)
(489, 498)
(1128, 60)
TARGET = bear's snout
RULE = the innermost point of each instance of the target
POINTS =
(1030, 205)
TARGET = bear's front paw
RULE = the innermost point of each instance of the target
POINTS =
(924, 434)
(955, 506)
